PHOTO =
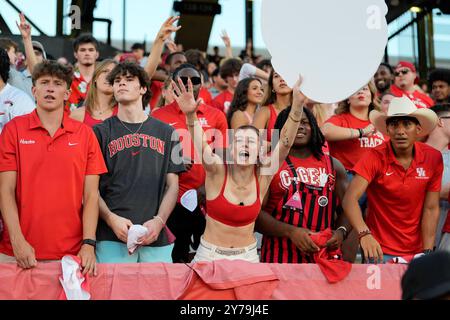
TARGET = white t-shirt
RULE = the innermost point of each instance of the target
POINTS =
(13, 103)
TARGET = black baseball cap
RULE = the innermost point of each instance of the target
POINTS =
(427, 277)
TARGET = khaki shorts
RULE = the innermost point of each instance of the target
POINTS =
(209, 252)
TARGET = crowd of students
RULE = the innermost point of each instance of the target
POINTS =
(204, 151)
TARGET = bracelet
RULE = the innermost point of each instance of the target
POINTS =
(292, 118)
(160, 219)
(361, 133)
(363, 234)
(344, 229)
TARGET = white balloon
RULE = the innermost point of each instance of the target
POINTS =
(336, 46)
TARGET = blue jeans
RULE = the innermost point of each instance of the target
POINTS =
(117, 252)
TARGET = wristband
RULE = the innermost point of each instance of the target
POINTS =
(361, 133)
(344, 229)
(90, 242)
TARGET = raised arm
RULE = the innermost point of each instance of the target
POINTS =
(158, 45)
(25, 31)
(186, 101)
(287, 137)
(227, 41)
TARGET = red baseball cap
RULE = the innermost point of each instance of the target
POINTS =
(410, 66)
(406, 64)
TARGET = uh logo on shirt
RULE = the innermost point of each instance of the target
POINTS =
(422, 174)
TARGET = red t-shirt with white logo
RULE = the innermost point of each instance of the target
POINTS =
(223, 101)
(214, 125)
(420, 99)
(396, 196)
(350, 151)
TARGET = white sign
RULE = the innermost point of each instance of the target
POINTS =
(336, 46)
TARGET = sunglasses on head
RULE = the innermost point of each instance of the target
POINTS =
(195, 80)
(403, 72)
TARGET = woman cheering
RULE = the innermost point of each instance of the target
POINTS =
(235, 190)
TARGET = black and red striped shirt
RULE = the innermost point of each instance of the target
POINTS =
(315, 181)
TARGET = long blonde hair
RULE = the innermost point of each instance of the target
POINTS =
(344, 106)
(91, 97)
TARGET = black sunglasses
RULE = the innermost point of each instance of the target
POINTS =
(403, 72)
(195, 80)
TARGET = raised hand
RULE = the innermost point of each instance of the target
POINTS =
(168, 28)
(226, 39)
(299, 99)
(24, 27)
(185, 98)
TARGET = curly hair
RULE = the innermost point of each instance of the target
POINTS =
(4, 65)
(53, 69)
(317, 140)
(127, 68)
(240, 99)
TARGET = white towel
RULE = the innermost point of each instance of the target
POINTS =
(134, 234)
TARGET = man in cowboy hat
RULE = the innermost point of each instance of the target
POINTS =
(402, 178)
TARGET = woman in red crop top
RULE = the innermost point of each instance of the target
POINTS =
(100, 103)
(278, 99)
(234, 191)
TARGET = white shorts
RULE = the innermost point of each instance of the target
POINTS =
(209, 252)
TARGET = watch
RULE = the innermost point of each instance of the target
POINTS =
(90, 242)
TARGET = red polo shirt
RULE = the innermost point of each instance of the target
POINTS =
(50, 182)
(215, 126)
(420, 99)
(223, 101)
(350, 151)
(396, 196)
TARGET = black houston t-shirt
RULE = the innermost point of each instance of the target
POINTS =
(138, 161)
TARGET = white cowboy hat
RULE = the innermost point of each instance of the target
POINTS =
(404, 107)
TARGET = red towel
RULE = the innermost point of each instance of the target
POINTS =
(329, 262)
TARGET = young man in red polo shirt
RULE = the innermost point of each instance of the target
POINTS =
(403, 181)
(187, 221)
(405, 84)
(49, 176)
(86, 52)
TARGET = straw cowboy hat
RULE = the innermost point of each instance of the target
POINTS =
(404, 107)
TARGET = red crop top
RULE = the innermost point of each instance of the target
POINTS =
(231, 214)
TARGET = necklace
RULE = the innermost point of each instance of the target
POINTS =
(140, 127)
